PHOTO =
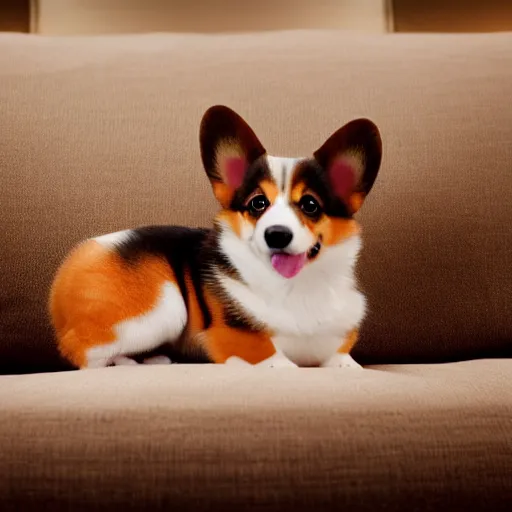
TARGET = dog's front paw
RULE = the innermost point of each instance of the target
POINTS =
(342, 361)
(278, 360)
(236, 361)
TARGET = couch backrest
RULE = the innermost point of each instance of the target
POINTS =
(101, 134)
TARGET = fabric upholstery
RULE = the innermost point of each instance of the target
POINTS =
(101, 134)
(394, 438)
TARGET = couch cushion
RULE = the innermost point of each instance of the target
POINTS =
(101, 134)
(422, 438)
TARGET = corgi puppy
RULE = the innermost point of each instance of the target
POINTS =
(271, 284)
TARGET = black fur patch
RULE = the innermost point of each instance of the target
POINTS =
(255, 174)
(213, 259)
(237, 320)
(221, 124)
(180, 246)
(315, 177)
(217, 261)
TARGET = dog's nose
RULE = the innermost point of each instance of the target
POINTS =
(278, 237)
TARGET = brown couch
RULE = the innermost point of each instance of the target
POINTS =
(101, 134)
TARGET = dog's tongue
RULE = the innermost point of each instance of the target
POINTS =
(288, 265)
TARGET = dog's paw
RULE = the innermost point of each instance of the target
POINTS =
(278, 360)
(124, 361)
(342, 361)
(236, 361)
(157, 360)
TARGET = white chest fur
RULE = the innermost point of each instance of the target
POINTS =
(309, 315)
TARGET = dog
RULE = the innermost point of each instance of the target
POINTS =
(271, 284)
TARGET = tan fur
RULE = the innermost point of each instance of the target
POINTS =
(269, 188)
(234, 219)
(223, 193)
(349, 342)
(222, 342)
(330, 230)
(104, 291)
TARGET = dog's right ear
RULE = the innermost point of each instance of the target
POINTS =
(228, 147)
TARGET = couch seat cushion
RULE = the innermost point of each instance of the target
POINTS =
(411, 437)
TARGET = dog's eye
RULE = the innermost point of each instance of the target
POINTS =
(258, 204)
(309, 205)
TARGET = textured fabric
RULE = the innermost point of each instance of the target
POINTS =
(422, 438)
(101, 134)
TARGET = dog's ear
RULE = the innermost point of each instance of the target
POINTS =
(351, 156)
(228, 147)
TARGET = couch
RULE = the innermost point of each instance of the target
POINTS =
(100, 134)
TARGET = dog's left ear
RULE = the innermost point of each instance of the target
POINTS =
(351, 156)
(228, 147)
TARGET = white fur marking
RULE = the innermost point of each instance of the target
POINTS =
(236, 361)
(124, 361)
(342, 361)
(157, 360)
(282, 168)
(146, 332)
(277, 360)
(113, 239)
